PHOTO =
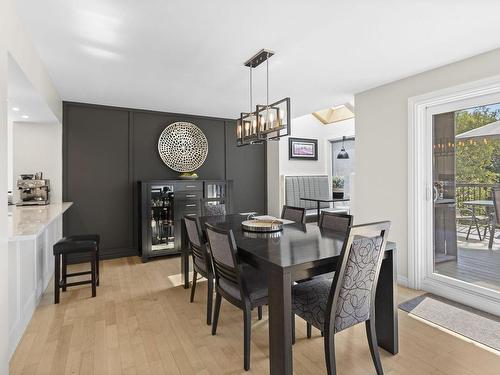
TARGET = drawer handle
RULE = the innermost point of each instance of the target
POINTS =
(190, 195)
(190, 205)
(190, 186)
(191, 214)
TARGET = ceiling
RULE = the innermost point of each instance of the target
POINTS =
(187, 56)
(24, 102)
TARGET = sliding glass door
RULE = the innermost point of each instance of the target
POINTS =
(466, 168)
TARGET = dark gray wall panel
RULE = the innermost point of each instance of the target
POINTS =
(246, 166)
(96, 174)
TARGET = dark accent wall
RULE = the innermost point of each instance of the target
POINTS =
(106, 150)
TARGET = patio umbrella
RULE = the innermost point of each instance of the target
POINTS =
(490, 131)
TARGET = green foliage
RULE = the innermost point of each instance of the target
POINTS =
(338, 182)
(477, 161)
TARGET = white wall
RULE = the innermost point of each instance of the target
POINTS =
(15, 41)
(381, 142)
(302, 127)
(38, 147)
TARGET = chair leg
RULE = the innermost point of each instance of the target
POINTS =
(93, 273)
(97, 266)
(478, 230)
(210, 297)
(331, 367)
(492, 237)
(259, 312)
(57, 270)
(468, 232)
(64, 271)
(309, 330)
(218, 300)
(371, 334)
(293, 328)
(247, 322)
(193, 287)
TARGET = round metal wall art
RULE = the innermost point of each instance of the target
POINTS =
(183, 147)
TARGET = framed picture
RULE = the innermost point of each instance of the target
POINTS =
(302, 148)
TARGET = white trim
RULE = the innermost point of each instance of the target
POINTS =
(403, 281)
(420, 267)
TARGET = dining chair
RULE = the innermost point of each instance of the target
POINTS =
(239, 283)
(495, 220)
(349, 299)
(211, 208)
(297, 214)
(338, 222)
(201, 261)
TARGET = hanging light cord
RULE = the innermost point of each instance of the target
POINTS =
(251, 85)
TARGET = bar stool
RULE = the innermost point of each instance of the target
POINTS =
(86, 237)
(65, 247)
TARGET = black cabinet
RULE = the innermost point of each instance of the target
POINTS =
(163, 204)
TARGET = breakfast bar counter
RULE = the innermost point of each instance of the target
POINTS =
(32, 231)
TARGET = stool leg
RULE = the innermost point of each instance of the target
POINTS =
(93, 259)
(57, 271)
(64, 271)
(97, 266)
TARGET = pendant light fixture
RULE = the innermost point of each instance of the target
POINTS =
(343, 153)
(267, 122)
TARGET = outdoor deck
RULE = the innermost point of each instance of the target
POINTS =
(475, 263)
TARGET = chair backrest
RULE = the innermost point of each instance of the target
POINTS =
(352, 297)
(496, 204)
(335, 221)
(210, 208)
(297, 214)
(195, 239)
(225, 259)
(297, 187)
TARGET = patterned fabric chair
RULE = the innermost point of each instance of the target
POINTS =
(218, 209)
(297, 214)
(240, 284)
(333, 306)
(201, 261)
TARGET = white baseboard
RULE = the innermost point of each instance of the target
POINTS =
(403, 281)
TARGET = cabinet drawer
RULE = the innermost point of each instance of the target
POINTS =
(189, 186)
(188, 195)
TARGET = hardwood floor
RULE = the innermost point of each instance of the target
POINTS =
(141, 322)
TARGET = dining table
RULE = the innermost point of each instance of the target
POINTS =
(323, 199)
(298, 252)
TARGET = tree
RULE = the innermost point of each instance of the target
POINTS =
(477, 160)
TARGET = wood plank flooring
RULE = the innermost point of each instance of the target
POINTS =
(141, 323)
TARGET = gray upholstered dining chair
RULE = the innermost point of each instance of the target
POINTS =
(335, 221)
(297, 214)
(348, 300)
(202, 263)
(495, 220)
(211, 208)
(239, 283)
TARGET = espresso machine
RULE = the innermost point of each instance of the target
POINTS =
(33, 190)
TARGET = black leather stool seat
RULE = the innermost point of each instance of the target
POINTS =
(85, 237)
(66, 246)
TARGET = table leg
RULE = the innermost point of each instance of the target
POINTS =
(386, 309)
(280, 327)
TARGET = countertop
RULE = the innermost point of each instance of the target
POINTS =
(27, 222)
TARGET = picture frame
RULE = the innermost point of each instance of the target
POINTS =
(302, 148)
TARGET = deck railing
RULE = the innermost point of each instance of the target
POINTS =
(465, 191)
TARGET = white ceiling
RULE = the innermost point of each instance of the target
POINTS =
(187, 56)
(24, 102)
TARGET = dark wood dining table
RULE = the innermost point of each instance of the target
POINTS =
(298, 252)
